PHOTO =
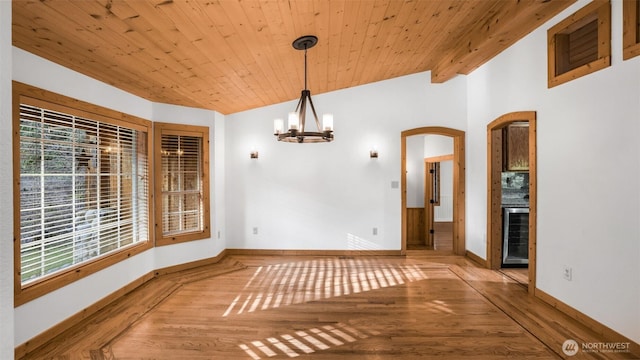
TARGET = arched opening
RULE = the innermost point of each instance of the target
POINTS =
(499, 166)
(458, 237)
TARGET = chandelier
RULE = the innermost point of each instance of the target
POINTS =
(296, 121)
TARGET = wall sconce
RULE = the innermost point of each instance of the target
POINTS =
(253, 154)
(373, 153)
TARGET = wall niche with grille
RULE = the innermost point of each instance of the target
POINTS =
(631, 29)
(580, 44)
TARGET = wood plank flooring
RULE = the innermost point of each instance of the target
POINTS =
(520, 275)
(443, 236)
(425, 306)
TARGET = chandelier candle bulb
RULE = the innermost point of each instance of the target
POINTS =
(327, 122)
(293, 121)
(278, 126)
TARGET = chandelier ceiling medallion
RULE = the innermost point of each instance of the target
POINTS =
(296, 125)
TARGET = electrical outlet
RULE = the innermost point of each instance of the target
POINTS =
(375, 231)
(218, 234)
(255, 231)
(567, 273)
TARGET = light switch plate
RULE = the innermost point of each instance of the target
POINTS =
(567, 273)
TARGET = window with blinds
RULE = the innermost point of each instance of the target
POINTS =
(183, 203)
(181, 184)
(83, 190)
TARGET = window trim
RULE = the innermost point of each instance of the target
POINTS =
(54, 101)
(630, 33)
(601, 9)
(187, 130)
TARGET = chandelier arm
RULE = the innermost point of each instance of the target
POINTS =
(299, 102)
(303, 112)
(313, 109)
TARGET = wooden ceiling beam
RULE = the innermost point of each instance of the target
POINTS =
(500, 28)
(475, 38)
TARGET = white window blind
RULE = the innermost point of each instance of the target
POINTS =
(182, 195)
(83, 190)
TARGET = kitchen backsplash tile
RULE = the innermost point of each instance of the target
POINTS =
(515, 188)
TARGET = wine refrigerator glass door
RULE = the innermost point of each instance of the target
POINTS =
(515, 247)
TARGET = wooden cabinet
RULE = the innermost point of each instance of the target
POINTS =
(515, 140)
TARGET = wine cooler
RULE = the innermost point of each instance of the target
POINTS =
(515, 247)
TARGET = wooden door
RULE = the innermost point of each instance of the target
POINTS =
(431, 198)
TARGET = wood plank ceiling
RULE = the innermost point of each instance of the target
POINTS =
(234, 55)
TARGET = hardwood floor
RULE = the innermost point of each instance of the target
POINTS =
(257, 307)
(519, 275)
(442, 238)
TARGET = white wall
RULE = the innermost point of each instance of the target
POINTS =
(42, 313)
(415, 171)
(331, 195)
(437, 145)
(588, 170)
(6, 184)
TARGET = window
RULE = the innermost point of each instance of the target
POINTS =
(580, 44)
(631, 32)
(83, 196)
(182, 183)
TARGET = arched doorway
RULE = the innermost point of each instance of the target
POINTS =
(458, 183)
(495, 158)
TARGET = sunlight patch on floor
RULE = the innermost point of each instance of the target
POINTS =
(273, 286)
(305, 342)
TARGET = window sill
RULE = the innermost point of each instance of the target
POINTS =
(24, 294)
